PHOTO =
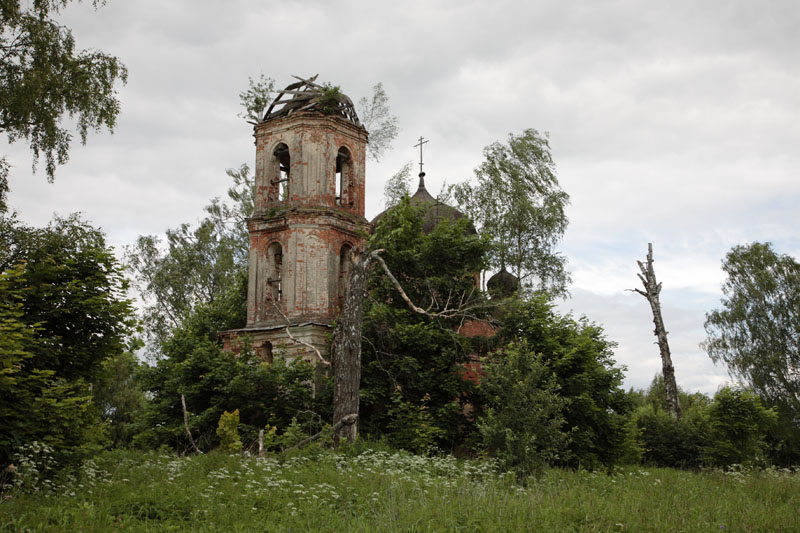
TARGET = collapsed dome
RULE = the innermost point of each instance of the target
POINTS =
(307, 96)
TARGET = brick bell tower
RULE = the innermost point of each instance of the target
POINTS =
(308, 214)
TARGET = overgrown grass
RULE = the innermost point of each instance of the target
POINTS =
(380, 490)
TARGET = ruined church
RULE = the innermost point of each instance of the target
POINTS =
(308, 215)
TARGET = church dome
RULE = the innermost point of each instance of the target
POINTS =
(502, 285)
(307, 96)
(435, 211)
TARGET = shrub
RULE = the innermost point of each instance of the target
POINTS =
(523, 423)
(738, 424)
(228, 432)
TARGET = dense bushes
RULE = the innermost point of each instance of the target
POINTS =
(730, 429)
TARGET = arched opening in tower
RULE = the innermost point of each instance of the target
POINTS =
(344, 178)
(281, 168)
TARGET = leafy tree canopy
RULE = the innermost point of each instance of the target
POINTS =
(756, 332)
(578, 355)
(74, 293)
(518, 203)
(44, 79)
(412, 372)
(63, 313)
(196, 264)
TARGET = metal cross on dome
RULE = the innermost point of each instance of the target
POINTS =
(422, 141)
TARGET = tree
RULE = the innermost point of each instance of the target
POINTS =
(381, 125)
(197, 265)
(518, 204)
(398, 186)
(44, 79)
(652, 290)
(523, 422)
(74, 293)
(194, 365)
(63, 313)
(756, 333)
(738, 426)
(413, 354)
(256, 99)
(578, 355)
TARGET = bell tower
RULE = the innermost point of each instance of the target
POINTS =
(308, 215)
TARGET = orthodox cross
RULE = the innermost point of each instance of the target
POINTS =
(420, 143)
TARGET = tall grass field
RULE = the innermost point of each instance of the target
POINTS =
(373, 489)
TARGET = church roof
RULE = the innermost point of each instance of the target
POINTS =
(435, 211)
(308, 96)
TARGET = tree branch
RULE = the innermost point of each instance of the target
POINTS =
(444, 313)
(295, 339)
(186, 424)
(347, 420)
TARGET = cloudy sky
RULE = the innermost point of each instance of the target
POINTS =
(676, 123)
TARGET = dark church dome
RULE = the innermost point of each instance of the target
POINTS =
(435, 211)
(502, 285)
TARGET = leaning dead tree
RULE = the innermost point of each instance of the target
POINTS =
(651, 291)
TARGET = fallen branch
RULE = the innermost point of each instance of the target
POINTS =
(348, 420)
(186, 424)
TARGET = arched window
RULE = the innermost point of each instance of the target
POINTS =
(344, 178)
(274, 268)
(345, 264)
(280, 168)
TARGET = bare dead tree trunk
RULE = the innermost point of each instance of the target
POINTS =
(186, 425)
(651, 292)
(347, 350)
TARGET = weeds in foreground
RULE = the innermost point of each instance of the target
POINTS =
(363, 489)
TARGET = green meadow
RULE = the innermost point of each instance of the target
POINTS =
(377, 489)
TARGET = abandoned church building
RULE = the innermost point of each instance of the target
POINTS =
(308, 215)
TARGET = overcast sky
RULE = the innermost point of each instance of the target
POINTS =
(676, 123)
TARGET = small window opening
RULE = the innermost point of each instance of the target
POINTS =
(345, 264)
(280, 182)
(343, 178)
(275, 258)
(264, 351)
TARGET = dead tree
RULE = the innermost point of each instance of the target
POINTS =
(651, 291)
(347, 349)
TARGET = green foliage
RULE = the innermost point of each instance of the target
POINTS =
(213, 381)
(330, 98)
(398, 186)
(379, 122)
(62, 314)
(409, 360)
(411, 426)
(198, 265)
(117, 393)
(368, 489)
(45, 80)
(523, 422)
(580, 358)
(228, 432)
(757, 330)
(518, 204)
(670, 442)
(738, 426)
(256, 99)
(74, 290)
